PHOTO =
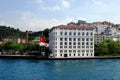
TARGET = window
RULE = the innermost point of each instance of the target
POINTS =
(74, 54)
(83, 54)
(78, 33)
(83, 51)
(87, 43)
(65, 51)
(91, 39)
(83, 39)
(74, 46)
(78, 54)
(82, 43)
(87, 51)
(70, 46)
(83, 33)
(61, 39)
(61, 46)
(55, 54)
(87, 39)
(91, 33)
(91, 50)
(91, 54)
(61, 33)
(78, 46)
(61, 43)
(61, 51)
(70, 51)
(74, 39)
(87, 46)
(74, 33)
(70, 33)
(87, 54)
(65, 43)
(65, 46)
(91, 43)
(78, 43)
(60, 54)
(70, 43)
(78, 51)
(65, 33)
(70, 39)
(65, 39)
(91, 46)
(78, 39)
(69, 54)
(87, 34)
(74, 51)
(74, 43)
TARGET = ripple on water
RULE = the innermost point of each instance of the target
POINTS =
(93, 69)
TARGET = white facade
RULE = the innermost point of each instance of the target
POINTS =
(68, 41)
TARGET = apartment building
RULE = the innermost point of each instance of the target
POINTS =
(71, 41)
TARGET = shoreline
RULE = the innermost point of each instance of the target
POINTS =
(47, 58)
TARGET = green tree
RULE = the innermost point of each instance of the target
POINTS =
(108, 47)
(8, 45)
(18, 47)
(31, 38)
(102, 49)
(46, 34)
(32, 49)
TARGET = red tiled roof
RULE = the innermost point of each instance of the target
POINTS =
(74, 27)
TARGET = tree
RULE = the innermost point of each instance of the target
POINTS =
(102, 49)
(31, 38)
(8, 45)
(18, 47)
(46, 34)
(108, 47)
(32, 49)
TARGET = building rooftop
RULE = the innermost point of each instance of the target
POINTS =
(74, 27)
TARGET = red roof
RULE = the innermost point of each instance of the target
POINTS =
(74, 27)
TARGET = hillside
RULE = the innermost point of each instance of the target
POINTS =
(9, 31)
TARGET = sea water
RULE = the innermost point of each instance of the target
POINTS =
(86, 69)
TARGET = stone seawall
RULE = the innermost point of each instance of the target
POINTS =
(46, 58)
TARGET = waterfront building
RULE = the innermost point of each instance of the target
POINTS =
(71, 41)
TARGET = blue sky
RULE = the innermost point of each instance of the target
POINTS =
(37, 15)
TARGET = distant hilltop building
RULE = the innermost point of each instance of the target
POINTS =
(102, 30)
(105, 30)
(71, 41)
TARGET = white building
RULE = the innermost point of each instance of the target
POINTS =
(71, 41)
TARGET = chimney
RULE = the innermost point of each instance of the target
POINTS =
(26, 36)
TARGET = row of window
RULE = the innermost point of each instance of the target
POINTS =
(76, 33)
(75, 47)
(74, 51)
(73, 29)
(75, 55)
(74, 43)
(76, 39)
